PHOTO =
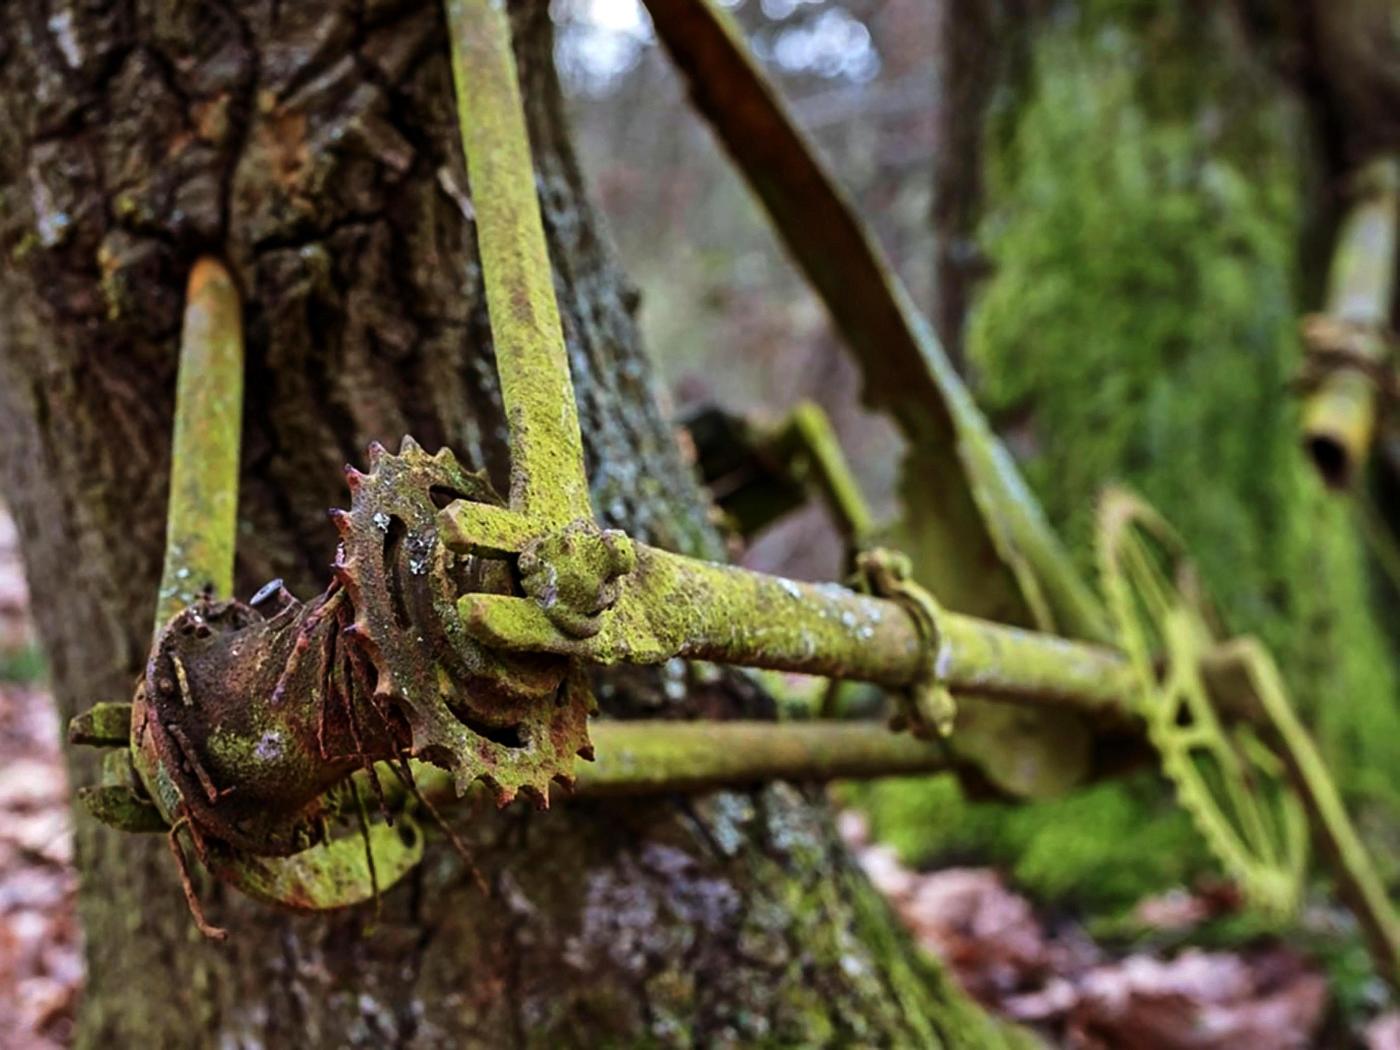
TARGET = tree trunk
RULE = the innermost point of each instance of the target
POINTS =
(314, 147)
(1150, 190)
(1153, 251)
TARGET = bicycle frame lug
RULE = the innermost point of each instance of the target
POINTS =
(575, 574)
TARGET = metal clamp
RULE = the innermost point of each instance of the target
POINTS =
(928, 708)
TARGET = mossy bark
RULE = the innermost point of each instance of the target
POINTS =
(1148, 213)
(1157, 187)
(313, 147)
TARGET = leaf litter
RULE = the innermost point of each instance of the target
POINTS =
(41, 968)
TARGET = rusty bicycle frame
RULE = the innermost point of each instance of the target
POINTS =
(588, 595)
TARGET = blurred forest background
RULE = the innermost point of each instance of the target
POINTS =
(1134, 279)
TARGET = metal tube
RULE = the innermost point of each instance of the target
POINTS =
(829, 468)
(828, 629)
(654, 757)
(678, 606)
(758, 620)
(650, 758)
(548, 481)
(1339, 415)
(1007, 663)
(201, 521)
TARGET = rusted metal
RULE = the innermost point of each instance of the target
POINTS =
(458, 629)
(252, 719)
(246, 718)
(514, 721)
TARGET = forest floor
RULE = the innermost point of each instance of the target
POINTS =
(1023, 962)
(41, 964)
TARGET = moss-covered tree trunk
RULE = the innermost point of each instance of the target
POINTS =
(1152, 212)
(1151, 188)
(313, 146)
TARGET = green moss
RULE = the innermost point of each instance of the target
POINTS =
(907, 996)
(1146, 202)
(1098, 850)
(1143, 315)
(22, 666)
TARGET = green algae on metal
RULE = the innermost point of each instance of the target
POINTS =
(199, 561)
(673, 606)
(647, 758)
(122, 807)
(632, 759)
(1143, 298)
(697, 609)
(548, 481)
(338, 873)
(977, 536)
(658, 757)
(1234, 787)
(201, 519)
(201, 515)
(808, 437)
(1252, 666)
(104, 724)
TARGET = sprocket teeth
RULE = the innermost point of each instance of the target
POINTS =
(588, 753)
(398, 487)
(567, 781)
(340, 518)
(537, 797)
(1124, 519)
(375, 452)
(503, 794)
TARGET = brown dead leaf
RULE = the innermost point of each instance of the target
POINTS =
(1181, 909)
(1198, 1001)
(990, 935)
(1058, 980)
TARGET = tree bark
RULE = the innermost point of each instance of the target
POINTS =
(313, 146)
